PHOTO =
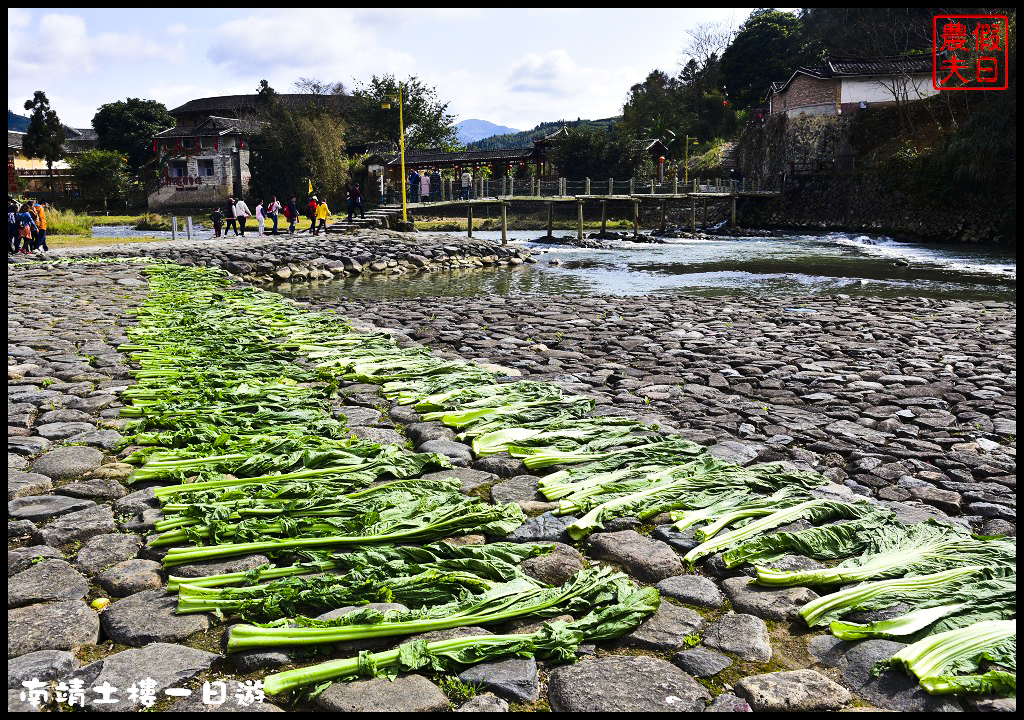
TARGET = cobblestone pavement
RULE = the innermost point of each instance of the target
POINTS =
(911, 402)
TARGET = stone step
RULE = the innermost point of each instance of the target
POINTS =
(728, 160)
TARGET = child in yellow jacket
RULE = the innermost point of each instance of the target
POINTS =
(322, 213)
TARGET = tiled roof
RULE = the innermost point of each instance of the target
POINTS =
(845, 66)
(87, 134)
(429, 157)
(840, 67)
(213, 126)
(72, 145)
(235, 105)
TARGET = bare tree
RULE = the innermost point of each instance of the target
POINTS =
(313, 86)
(707, 40)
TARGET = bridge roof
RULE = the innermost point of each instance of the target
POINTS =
(461, 157)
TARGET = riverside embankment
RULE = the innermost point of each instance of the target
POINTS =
(911, 403)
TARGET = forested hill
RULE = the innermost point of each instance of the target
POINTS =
(18, 123)
(522, 139)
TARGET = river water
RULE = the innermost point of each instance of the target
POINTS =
(824, 263)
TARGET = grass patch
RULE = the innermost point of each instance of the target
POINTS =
(456, 690)
(539, 706)
(91, 653)
(57, 242)
(68, 222)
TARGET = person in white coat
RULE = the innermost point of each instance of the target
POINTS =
(241, 213)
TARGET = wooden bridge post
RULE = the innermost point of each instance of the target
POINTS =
(579, 220)
(705, 213)
(636, 215)
(693, 214)
(550, 211)
(604, 215)
(675, 184)
(504, 224)
(611, 186)
(504, 186)
(732, 221)
(663, 208)
(632, 186)
(469, 225)
(586, 186)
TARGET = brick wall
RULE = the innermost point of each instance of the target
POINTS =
(804, 91)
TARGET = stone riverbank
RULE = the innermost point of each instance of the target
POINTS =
(912, 403)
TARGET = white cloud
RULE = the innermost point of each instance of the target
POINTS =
(538, 88)
(18, 18)
(332, 49)
(62, 45)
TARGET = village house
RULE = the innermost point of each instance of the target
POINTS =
(844, 85)
(204, 158)
(31, 176)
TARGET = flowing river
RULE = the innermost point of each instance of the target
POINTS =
(796, 264)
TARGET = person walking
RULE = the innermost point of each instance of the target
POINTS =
(311, 213)
(26, 224)
(273, 209)
(229, 217)
(355, 201)
(217, 218)
(292, 213)
(435, 186)
(12, 226)
(414, 187)
(261, 218)
(467, 184)
(40, 214)
(425, 187)
(241, 213)
(322, 213)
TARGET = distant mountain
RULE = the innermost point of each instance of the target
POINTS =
(18, 123)
(525, 138)
(472, 130)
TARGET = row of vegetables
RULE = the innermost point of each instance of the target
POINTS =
(233, 404)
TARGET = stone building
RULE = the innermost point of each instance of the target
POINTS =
(205, 157)
(845, 85)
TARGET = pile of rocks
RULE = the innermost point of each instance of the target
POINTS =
(301, 258)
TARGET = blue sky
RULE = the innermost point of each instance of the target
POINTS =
(514, 67)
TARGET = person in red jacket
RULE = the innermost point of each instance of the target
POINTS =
(311, 212)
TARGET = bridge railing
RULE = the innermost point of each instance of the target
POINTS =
(493, 188)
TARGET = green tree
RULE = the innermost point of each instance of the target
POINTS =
(768, 47)
(294, 148)
(628, 156)
(127, 127)
(586, 152)
(655, 106)
(582, 153)
(428, 124)
(101, 174)
(45, 136)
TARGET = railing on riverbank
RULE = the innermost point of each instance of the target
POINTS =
(493, 188)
